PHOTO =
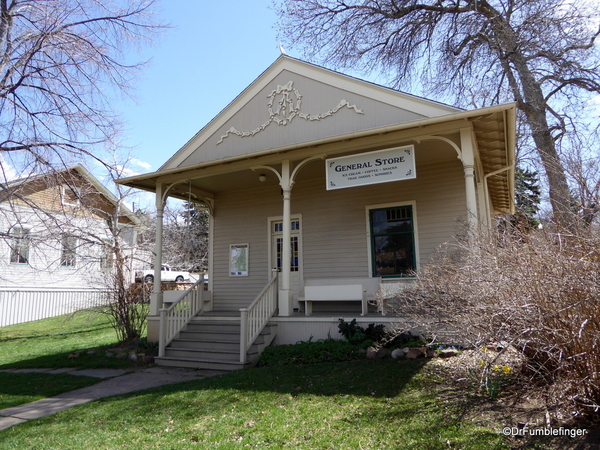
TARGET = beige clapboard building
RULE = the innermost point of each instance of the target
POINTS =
(340, 185)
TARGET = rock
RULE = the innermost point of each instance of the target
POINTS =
(91, 352)
(147, 359)
(109, 355)
(371, 353)
(414, 353)
(133, 356)
(398, 353)
(430, 353)
(448, 353)
(382, 353)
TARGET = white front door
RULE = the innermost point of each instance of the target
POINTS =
(276, 227)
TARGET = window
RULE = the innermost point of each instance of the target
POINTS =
(70, 196)
(68, 254)
(106, 261)
(19, 248)
(392, 241)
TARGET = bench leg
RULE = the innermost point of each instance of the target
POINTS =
(307, 308)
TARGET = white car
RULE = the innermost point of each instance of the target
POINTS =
(166, 274)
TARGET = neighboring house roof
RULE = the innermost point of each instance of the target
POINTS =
(34, 191)
(296, 105)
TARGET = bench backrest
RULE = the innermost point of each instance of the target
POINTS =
(370, 284)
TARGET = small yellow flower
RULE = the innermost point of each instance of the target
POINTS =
(482, 363)
(506, 369)
(497, 368)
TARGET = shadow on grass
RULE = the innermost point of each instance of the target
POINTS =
(61, 360)
(55, 335)
(16, 389)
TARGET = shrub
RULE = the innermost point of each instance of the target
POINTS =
(356, 334)
(539, 292)
(309, 353)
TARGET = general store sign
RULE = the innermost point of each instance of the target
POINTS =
(382, 166)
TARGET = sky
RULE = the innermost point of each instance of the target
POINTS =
(211, 53)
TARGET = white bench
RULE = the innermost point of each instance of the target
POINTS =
(338, 290)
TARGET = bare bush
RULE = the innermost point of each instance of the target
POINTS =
(537, 291)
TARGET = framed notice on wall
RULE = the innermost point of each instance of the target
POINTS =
(238, 260)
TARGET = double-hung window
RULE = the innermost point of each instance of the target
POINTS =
(68, 256)
(19, 248)
(392, 241)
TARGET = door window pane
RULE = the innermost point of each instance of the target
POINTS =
(295, 258)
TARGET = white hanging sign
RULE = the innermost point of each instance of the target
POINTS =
(382, 166)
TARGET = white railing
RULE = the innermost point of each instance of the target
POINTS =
(178, 315)
(255, 317)
(21, 305)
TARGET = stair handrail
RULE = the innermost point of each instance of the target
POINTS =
(179, 314)
(254, 318)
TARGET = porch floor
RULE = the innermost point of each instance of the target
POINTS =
(300, 316)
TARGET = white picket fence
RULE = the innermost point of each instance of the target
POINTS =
(26, 305)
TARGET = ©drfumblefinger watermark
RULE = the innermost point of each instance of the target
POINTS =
(548, 431)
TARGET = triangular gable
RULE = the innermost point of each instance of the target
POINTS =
(294, 103)
(52, 190)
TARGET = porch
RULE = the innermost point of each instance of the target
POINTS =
(192, 334)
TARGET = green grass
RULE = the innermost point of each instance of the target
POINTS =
(351, 405)
(16, 389)
(48, 343)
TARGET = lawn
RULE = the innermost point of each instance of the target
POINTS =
(364, 404)
(354, 405)
(16, 389)
(48, 343)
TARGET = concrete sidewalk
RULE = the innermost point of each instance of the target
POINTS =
(118, 382)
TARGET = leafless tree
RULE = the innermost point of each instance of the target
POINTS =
(185, 236)
(61, 63)
(540, 53)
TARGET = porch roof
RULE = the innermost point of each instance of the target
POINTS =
(494, 133)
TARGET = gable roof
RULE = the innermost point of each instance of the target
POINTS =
(295, 108)
(70, 177)
(310, 102)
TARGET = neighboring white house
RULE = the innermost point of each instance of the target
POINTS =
(57, 244)
(339, 184)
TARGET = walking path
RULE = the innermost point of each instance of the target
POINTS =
(118, 382)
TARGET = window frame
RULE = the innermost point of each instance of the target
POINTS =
(66, 251)
(64, 197)
(18, 242)
(271, 233)
(415, 236)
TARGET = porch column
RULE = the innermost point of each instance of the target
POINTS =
(468, 160)
(157, 296)
(285, 294)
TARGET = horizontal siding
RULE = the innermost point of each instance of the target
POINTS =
(334, 228)
(241, 217)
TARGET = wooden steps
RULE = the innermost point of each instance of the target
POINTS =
(214, 343)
